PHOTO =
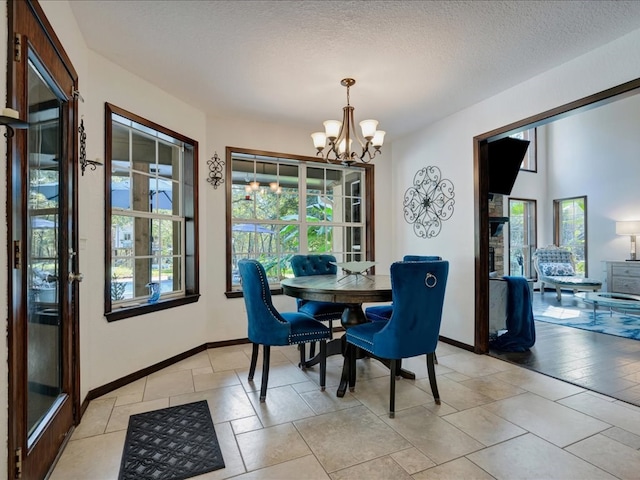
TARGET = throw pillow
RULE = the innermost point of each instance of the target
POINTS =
(556, 269)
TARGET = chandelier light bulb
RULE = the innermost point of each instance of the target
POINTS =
(378, 138)
(319, 140)
(368, 128)
(332, 128)
(255, 185)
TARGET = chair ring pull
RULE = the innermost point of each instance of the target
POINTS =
(430, 280)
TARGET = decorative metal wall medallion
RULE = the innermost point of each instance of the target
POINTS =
(215, 170)
(429, 202)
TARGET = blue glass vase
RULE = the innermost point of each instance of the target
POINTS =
(154, 292)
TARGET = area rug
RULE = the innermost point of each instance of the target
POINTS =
(615, 323)
(172, 443)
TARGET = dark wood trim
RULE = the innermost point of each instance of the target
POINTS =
(27, 19)
(156, 367)
(369, 205)
(137, 310)
(481, 185)
(456, 343)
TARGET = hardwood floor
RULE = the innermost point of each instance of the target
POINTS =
(596, 361)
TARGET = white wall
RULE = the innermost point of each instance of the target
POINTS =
(448, 144)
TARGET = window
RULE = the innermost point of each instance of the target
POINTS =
(280, 205)
(151, 231)
(522, 236)
(570, 229)
(529, 162)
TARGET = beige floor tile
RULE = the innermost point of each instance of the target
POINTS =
(225, 404)
(457, 469)
(119, 419)
(212, 380)
(247, 424)
(228, 358)
(383, 468)
(542, 385)
(433, 436)
(627, 438)
(168, 384)
(530, 457)
(271, 445)
(328, 401)
(553, 422)
(95, 418)
(456, 394)
(613, 413)
(347, 437)
(412, 460)
(484, 426)
(306, 467)
(609, 455)
(282, 405)
(481, 366)
(95, 458)
(375, 395)
(492, 387)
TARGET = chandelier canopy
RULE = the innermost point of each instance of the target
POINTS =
(338, 136)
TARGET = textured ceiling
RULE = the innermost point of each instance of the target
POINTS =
(282, 61)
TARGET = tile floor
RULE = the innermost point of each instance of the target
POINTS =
(497, 420)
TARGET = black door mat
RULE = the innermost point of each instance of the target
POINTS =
(172, 443)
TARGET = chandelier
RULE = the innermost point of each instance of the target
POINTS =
(338, 136)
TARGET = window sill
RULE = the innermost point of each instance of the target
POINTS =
(134, 311)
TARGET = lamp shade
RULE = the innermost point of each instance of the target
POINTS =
(631, 227)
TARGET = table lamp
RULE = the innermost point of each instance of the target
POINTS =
(631, 228)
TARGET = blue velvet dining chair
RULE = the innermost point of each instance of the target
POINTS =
(268, 327)
(418, 290)
(382, 313)
(317, 264)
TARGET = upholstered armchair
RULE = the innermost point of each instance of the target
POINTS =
(317, 264)
(418, 290)
(382, 313)
(268, 327)
(555, 266)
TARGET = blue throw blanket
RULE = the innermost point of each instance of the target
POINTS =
(521, 331)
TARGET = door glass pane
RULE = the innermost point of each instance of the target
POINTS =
(44, 380)
(522, 237)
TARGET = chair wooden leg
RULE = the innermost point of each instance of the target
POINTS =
(303, 350)
(266, 354)
(254, 361)
(392, 388)
(312, 349)
(323, 365)
(432, 377)
(353, 353)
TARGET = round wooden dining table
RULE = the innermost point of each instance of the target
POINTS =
(353, 290)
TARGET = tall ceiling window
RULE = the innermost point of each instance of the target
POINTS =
(570, 229)
(280, 205)
(151, 235)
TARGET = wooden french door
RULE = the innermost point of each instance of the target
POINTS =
(43, 290)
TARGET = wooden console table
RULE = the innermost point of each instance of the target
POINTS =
(623, 277)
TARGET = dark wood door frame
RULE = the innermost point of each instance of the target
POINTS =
(29, 28)
(481, 191)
